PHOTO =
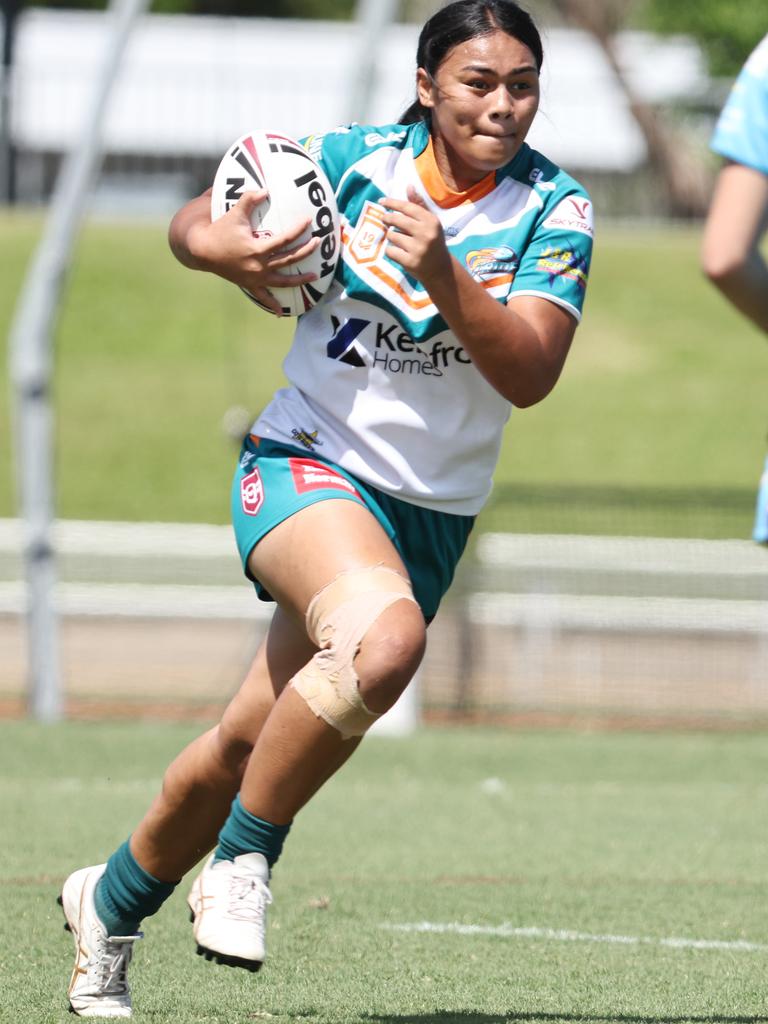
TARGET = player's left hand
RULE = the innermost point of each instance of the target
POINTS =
(415, 237)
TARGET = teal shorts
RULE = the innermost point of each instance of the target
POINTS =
(273, 481)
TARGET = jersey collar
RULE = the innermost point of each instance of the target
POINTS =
(439, 192)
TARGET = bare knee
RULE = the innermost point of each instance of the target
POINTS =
(389, 655)
(230, 748)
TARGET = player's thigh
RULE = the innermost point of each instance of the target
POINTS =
(308, 550)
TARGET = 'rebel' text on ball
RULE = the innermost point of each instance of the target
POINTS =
(297, 190)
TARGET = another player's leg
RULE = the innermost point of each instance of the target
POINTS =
(355, 596)
(105, 904)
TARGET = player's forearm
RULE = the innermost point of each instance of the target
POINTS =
(183, 228)
(746, 286)
(506, 348)
(730, 250)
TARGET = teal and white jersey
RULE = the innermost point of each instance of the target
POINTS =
(378, 384)
(741, 134)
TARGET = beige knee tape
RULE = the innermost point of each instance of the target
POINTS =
(338, 617)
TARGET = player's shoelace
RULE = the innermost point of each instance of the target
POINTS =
(248, 898)
(111, 968)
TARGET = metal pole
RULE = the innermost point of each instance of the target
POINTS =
(30, 357)
(372, 17)
(10, 10)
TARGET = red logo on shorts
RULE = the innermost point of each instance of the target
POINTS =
(252, 493)
(309, 475)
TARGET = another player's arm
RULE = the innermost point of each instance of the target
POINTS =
(227, 247)
(520, 348)
(730, 252)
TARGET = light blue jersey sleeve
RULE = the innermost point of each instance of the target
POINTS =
(741, 134)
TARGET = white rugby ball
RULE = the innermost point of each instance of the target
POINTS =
(298, 188)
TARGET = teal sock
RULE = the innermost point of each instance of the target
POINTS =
(126, 893)
(243, 832)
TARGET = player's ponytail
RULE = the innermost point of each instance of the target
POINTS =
(463, 20)
(416, 112)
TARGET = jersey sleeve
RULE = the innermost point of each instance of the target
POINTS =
(741, 133)
(556, 260)
(336, 151)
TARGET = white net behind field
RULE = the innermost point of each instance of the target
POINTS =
(151, 614)
(665, 629)
(535, 627)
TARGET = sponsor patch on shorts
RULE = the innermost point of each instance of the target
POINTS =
(252, 493)
(309, 475)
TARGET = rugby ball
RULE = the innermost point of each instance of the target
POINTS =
(298, 188)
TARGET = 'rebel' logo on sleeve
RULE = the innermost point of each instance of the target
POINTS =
(252, 493)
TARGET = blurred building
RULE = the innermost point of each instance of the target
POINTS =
(189, 86)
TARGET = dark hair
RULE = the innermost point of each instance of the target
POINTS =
(467, 19)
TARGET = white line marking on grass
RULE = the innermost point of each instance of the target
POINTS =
(75, 784)
(506, 931)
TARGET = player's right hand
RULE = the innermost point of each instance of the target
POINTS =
(230, 248)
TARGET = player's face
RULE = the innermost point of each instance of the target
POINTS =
(483, 100)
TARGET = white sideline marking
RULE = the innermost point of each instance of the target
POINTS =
(506, 931)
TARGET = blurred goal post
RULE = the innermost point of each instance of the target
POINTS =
(30, 353)
(31, 338)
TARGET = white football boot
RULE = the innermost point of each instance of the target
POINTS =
(228, 903)
(99, 985)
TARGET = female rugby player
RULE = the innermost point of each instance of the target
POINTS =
(464, 263)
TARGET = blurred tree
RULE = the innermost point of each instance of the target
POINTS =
(727, 32)
(419, 10)
(410, 10)
(251, 8)
(683, 177)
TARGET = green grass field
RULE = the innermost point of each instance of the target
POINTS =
(657, 425)
(620, 841)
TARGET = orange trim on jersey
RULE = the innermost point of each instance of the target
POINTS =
(496, 282)
(422, 303)
(433, 181)
(392, 283)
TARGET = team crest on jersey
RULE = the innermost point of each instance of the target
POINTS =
(492, 261)
(252, 493)
(370, 235)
